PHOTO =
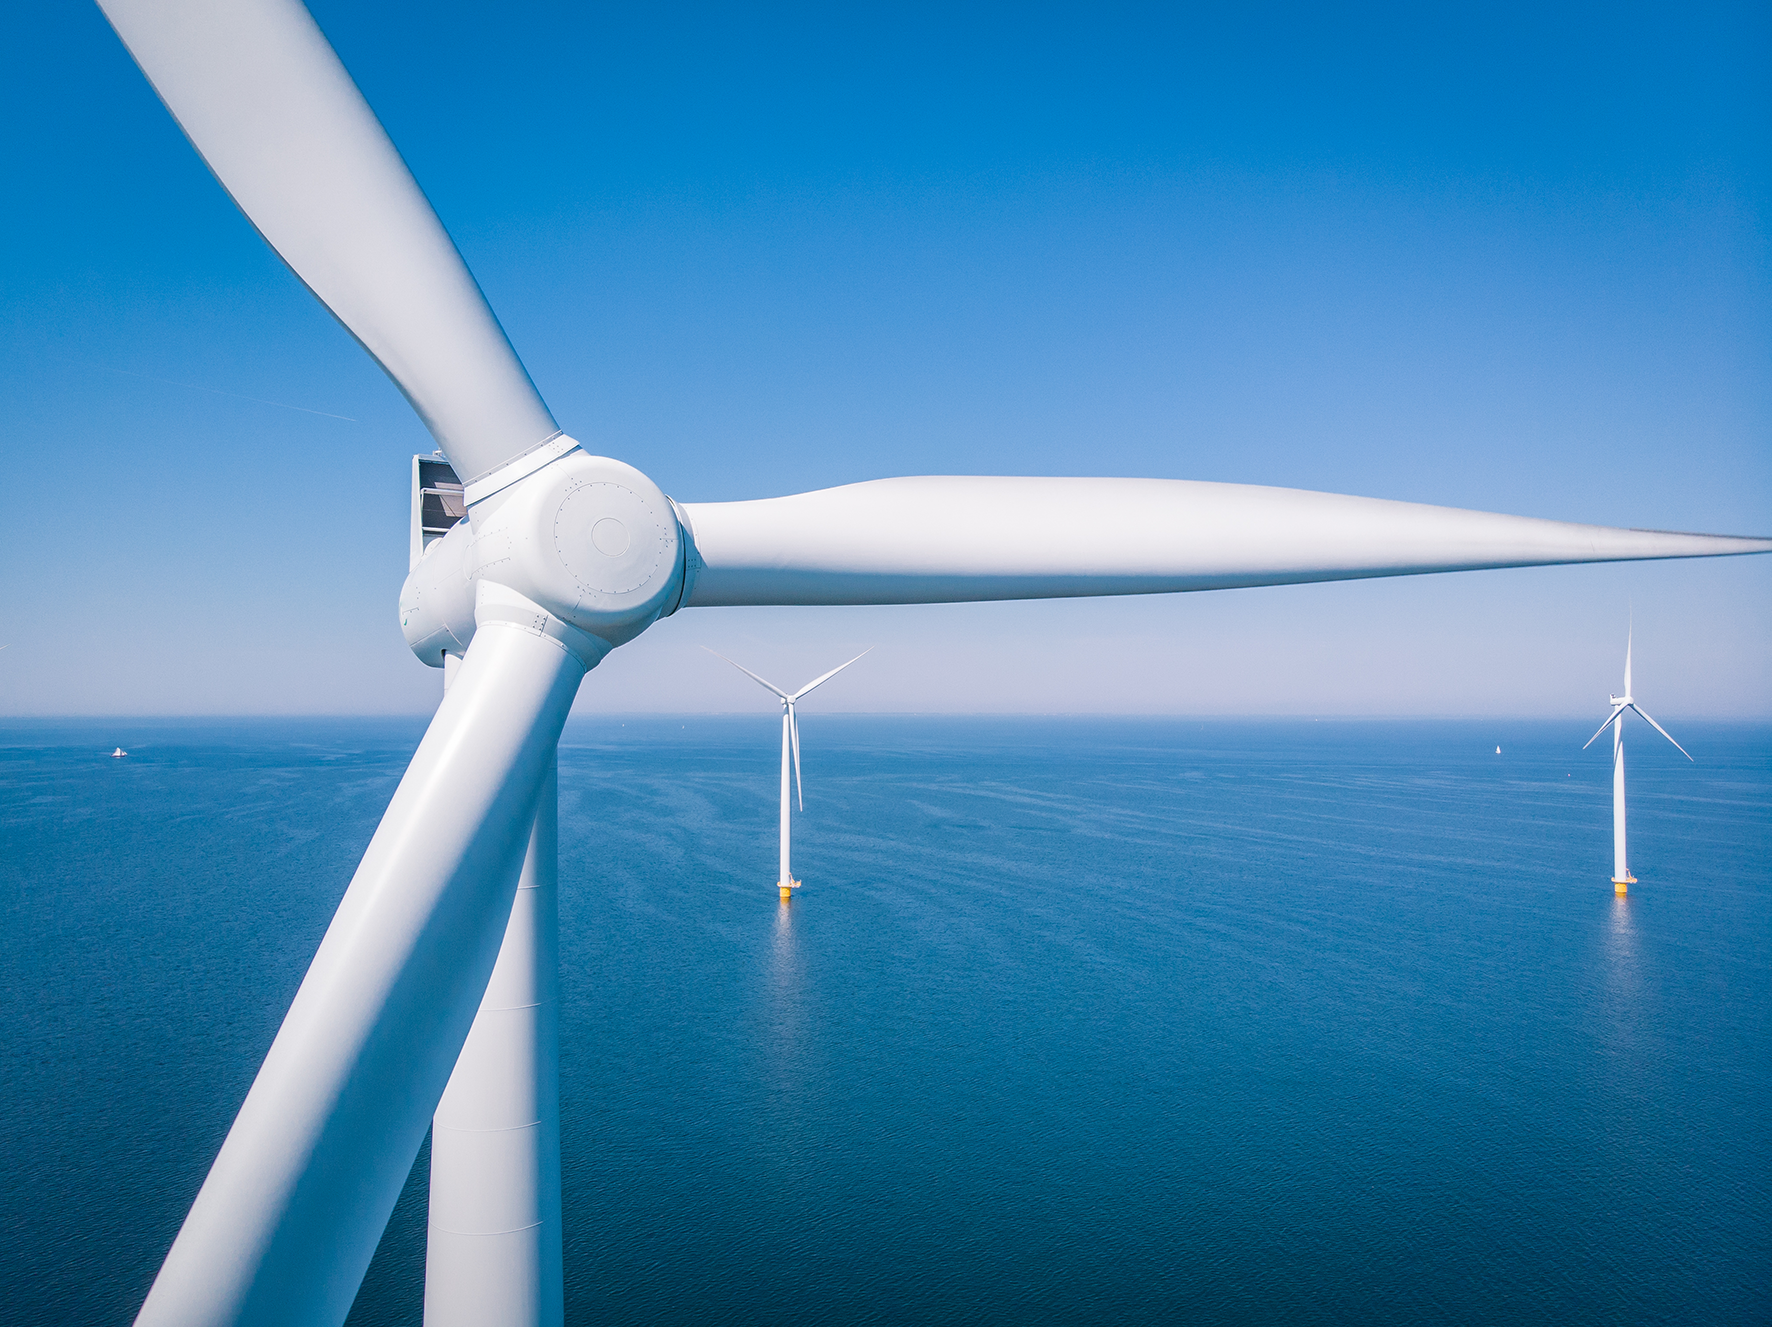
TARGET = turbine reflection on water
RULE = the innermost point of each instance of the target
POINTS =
(1626, 1000)
(786, 1011)
(1621, 950)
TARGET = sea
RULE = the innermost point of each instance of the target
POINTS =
(1075, 1020)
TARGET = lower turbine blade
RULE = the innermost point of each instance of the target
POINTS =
(957, 539)
(1610, 720)
(285, 1225)
(794, 731)
(1664, 732)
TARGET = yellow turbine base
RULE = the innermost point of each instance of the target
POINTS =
(787, 890)
(1619, 886)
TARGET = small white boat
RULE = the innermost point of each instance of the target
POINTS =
(1498, 751)
(119, 752)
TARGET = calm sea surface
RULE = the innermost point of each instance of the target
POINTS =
(1074, 1020)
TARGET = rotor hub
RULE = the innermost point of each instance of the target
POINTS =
(587, 541)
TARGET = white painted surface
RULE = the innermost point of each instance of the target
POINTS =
(588, 538)
(437, 600)
(294, 1205)
(790, 748)
(262, 96)
(520, 468)
(950, 539)
(494, 1257)
(1620, 706)
(787, 735)
(1620, 869)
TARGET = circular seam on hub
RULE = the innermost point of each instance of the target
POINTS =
(594, 570)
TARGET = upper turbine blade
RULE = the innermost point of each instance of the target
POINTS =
(954, 539)
(262, 96)
(748, 673)
(1664, 732)
(820, 681)
(1610, 720)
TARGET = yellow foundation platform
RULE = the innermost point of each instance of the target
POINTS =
(1621, 886)
(787, 890)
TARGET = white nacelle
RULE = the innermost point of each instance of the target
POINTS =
(588, 540)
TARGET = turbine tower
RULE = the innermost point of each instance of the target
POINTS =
(790, 739)
(562, 557)
(1622, 879)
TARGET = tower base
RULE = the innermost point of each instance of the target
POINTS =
(787, 890)
(1619, 886)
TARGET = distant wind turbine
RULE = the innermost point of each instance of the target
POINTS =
(790, 742)
(1621, 876)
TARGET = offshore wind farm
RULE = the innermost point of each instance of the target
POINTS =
(473, 1009)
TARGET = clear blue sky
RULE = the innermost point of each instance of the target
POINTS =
(1507, 258)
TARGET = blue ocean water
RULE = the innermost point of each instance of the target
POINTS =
(1073, 1021)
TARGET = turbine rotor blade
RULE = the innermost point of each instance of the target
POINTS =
(262, 96)
(284, 1227)
(1664, 732)
(818, 682)
(1610, 720)
(748, 673)
(955, 539)
(794, 733)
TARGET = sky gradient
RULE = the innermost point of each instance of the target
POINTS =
(1500, 258)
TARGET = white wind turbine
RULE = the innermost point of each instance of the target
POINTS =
(1622, 879)
(432, 991)
(790, 740)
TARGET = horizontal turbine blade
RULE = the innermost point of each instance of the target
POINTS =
(259, 91)
(284, 1227)
(1610, 720)
(958, 539)
(748, 673)
(818, 682)
(1658, 728)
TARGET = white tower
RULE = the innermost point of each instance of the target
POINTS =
(790, 749)
(1622, 879)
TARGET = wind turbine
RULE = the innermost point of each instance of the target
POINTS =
(564, 556)
(790, 738)
(1622, 879)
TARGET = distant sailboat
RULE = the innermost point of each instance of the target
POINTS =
(119, 752)
(1498, 751)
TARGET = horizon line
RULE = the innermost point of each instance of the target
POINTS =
(120, 716)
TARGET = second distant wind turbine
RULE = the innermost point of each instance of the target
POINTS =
(790, 743)
(1622, 879)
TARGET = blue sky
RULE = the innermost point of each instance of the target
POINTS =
(1507, 258)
